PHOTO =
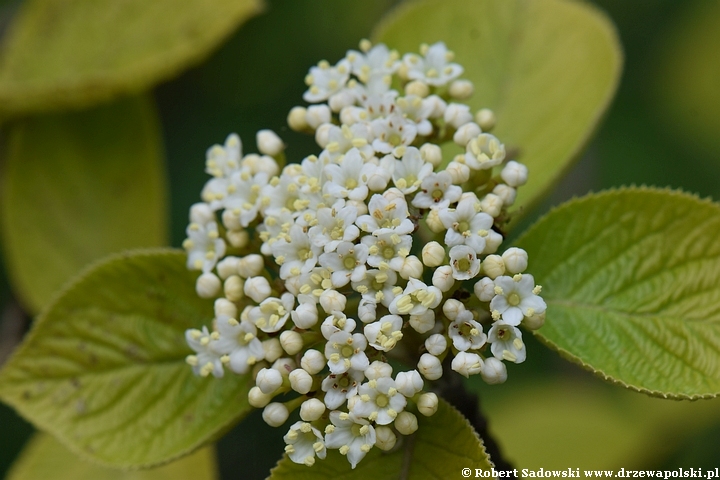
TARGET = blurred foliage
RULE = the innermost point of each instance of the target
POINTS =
(660, 131)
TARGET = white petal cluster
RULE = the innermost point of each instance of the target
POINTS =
(374, 249)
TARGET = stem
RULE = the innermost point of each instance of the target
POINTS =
(452, 389)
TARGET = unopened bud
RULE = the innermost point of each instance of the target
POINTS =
(227, 266)
(493, 266)
(417, 87)
(406, 423)
(251, 265)
(433, 254)
(296, 119)
(300, 381)
(431, 153)
(436, 344)
(466, 133)
(272, 348)
(467, 364)
(201, 213)
(424, 322)
(269, 143)
(443, 278)
(409, 383)
(275, 414)
(412, 267)
(491, 204)
(257, 288)
(427, 404)
(506, 193)
(484, 289)
(258, 399)
(430, 367)
(378, 369)
(322, 134)
(312, 410)
(385, 438)
(233, 288)
(332, 301)
(457, 115)
(452, 307)
(207, 285)
(534, 321)
(493, 371)
(515, 174)
(291, 342)
(516, 260)
(461, 89)
(313, 361)
(305, 315)
(317, 115)
(433, 221)
(459, 172)
(268, 380)
(238, 238)
(485, 118)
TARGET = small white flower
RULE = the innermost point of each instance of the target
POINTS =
(466, 333)
(340, 387)
(378, 59)
(437, 191)
(464, 262)
(239, 341)
(272, 313)
(385, 333)
(506, 342)
(416, 299)
(386, 216)
(304, 442)
(296, 254)
(204, 246)
(515, 298)
(466, 225)
(222, 161)
(380, 401)
(410, 171)
(346, 351)
(353, 436)
(387, 251)
(484, 152)
(336, 322)
(377, 286)
(434, 67)
(207, 360)
(347, 263)
(325, 80)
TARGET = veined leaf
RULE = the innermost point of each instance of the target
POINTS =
(75, 53)
(443, 445)
(45, 457)
(104, 370)
(77, 187)
(632, 282)
(547, 69)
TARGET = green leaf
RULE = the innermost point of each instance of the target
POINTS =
(77, 187)
(443, 445)
(548, 70)
(44, 458)
(75, 53)
(632, 282)
(104, 370)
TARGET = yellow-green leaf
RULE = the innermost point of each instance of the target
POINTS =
(79, 186)
(75, 53)
(45, 458)
(443, 445)
(104, 369)
(547, 68)
(632, 282)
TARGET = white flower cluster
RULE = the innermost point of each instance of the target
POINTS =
(321, 269)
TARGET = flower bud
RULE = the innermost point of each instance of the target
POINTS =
(268, 143)
(233, 288)
(485, 289)
(272, 348)
(207, 285)
(300, 381)
(515, 174)
(427, 404)
(201, 213)
(417, 87)
(251, 265)
(491, 204)
(430, 367)
(461, 89)
(433, 254)
(424, 322)
(341, 100)
(436, 344)
(332, 301)
(485, 118)
(257, 288)
(457, 115)
(516, 260)
(227, 266)
(312, 361)
(378, 179)
(452, 307)
(459, 172)
(367, 311)
(492, 242)
(258, 399)
(312, 410)
(406, 423)
(361, 207)
(305, 315)
(433, 221)
(385, 438)
(493, 266)
(224, 307)
(268, 380)
(267, 164)
(230, 220)
(291, 342)
(467, 364)
(466, 133)
(238, 238)
(296, 119)
(431, 153)
(378, 369)
(493, 371)
(412, 267)
(409, 383)
(437, 106)
(317, 115)
(275, 414)
(284, 365)
(322, 134)
(443, 278)
(506, 193)
(534, 321)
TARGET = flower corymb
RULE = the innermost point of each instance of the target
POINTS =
(380, 246)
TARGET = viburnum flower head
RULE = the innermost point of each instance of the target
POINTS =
(371, 250)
